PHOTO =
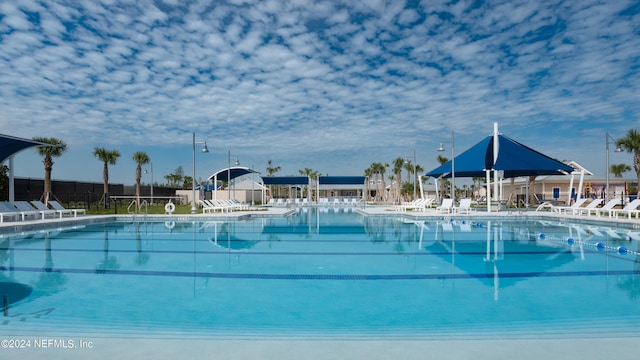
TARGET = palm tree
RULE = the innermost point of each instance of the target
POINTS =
(416, 170)
(140, 158)
(270, 171)
(442, 160)
(108, 157)
(398, 163)
(631, 143)
(56, 149)
(408, 165)
(618, 169)
(368, 172)
(313, 175)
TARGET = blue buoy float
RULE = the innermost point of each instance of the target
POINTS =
(622, 250)
(570, 241)
(541, 236)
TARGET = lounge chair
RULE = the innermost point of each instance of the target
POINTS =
(39, 205)
(579, 210)
(566, 209)
(606, 208)
(463, 207)
(8, 207)
(409, 205)
(446, 206)
(629, 209)
(8, 211)
(26, 207)
(58, 207)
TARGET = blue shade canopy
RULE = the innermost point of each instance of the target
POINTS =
(10, 145)
(514, 159)
(341, 180)
(232, 172)
(285, 180)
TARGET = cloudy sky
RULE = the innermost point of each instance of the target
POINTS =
(329, 85)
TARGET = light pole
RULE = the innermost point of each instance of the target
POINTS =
(194, 210)
(229, 176)
(453, 166)
(145, 171)
(618, 149)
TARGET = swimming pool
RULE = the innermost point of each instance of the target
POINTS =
(326, 274)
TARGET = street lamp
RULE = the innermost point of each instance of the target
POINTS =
(194, 210)
(453, 165)
(145, 171)
(618, 149)
(229, 176)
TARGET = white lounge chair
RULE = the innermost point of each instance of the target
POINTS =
(8, 211)
(409, 205)
(606, 208)
(8, 207)
(446, 206)
(590, 206)
(26, 207)
(565, 209)
(463, 207)
(58, 207)
(629, 209)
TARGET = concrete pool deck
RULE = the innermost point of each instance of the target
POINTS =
(140, 347)
(285, 349)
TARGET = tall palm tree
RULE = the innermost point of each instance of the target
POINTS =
(618, 169)
(417, 169)
(398, 163)
(368, 172)
(270, 171)
(140, 158)
(56, 149)
(631, 143)
(442, 160)
(313, 175)
(108, 157)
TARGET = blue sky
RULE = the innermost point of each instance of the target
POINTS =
(332, 86)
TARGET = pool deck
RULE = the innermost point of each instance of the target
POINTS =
(285, 349)
(279, 211)
(123, 347)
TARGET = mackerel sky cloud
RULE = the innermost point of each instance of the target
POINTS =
(329, 85)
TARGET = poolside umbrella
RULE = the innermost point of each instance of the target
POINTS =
(500, 153)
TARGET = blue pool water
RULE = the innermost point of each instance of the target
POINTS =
(325, 273)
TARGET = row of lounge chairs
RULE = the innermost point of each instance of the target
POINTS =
(321, 201)
(593, 208)
(34, 210)
(446, 207)
(209, 206)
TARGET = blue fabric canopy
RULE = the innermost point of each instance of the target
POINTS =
(232, 172)
(285, 180)
(10, 145)
(514, 159)
(341, 180)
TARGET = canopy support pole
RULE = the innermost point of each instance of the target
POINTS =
(12, 188)
(580, 184)
(488, 172)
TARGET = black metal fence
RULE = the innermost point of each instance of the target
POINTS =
(79, 194)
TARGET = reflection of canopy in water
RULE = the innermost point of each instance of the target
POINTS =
(225, 239)
(233, 242)
(13, 291)
(470, 256)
